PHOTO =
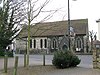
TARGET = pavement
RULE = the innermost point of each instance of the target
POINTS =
(84, 68)
(70, 71)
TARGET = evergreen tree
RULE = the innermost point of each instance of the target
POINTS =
(8, 30)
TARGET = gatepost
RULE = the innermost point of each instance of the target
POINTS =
(96, 55)
(94, 59)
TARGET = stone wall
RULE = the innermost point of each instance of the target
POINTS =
(98, 62)
(96, 58)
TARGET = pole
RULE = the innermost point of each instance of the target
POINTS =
(15, 66)
(24, 59)
(68, 25)
(43, 59)
(5, 63)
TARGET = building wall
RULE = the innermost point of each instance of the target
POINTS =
(21, 44)
(53, 43)
(38, 42)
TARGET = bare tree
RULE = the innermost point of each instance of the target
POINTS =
(92, 37)
(32, 11)
(10, 19)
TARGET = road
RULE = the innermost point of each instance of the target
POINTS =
(86, 61)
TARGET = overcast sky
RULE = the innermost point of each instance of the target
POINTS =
(79, 9)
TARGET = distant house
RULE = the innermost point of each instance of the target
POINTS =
(96, 44)
(52, 36)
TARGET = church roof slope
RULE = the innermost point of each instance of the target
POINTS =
(57, 28)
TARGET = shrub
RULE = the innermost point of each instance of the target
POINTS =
(75, 61)
(2, 53)
(9, 53)
(65, 59)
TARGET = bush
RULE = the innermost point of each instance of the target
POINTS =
(65, 59)
(9, 53)
(75, 61)
(2, 53)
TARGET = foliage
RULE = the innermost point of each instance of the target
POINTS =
(65, 59)
(74, 61)
(8, 29)
(2, 53)
(9, 53)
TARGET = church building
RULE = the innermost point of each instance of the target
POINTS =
(53, 36)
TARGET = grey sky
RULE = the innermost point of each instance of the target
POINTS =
(79, 9)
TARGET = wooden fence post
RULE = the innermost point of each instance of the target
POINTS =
(5, 63)
(15, 66)
(25, 60)
(43, 59)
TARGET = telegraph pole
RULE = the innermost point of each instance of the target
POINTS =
(69, 24)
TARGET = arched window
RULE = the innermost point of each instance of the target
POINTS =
(34, 43)
(79, 46)
(30, 43)
(45, 43)
(41, 43)
(54, 44)
(78, 43)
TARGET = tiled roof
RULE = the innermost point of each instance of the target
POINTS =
(57, 28)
